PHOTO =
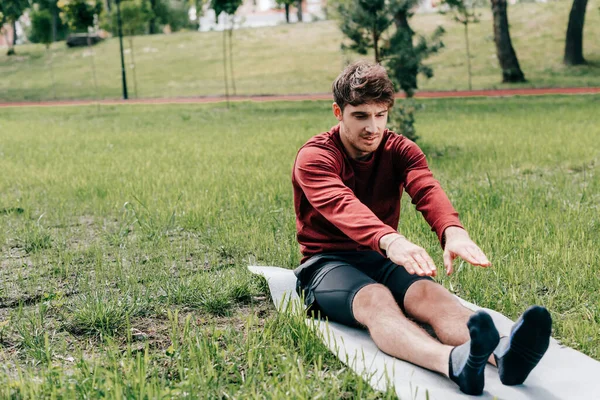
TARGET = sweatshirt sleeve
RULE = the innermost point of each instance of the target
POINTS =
(317, 172)
(425, 191)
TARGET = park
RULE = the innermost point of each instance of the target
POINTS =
(127, 226)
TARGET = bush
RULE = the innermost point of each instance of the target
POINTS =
(402, 118)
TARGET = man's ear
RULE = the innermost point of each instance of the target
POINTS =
(337, 111)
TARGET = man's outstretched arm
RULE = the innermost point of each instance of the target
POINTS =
(430, 199)
(459, 244)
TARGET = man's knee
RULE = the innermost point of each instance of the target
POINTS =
(427, 295)
(373, 300)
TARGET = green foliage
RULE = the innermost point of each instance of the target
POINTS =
(11, 10)
(178, 15)
(364, 22)
(404, 58)
(229, 7)
(402, 118)
(173, 13)
(135, 16)
(79, 14)
(41, 27)
(51, 6)
(463, 11)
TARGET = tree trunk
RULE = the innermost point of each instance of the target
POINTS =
(287, 13)
(54, 24)
(231, 55)
(299, 11)
(225, 65)
(135, 91)
(14, 29)
(406, 34)
(574, 41)
(49, 54)
(10, 50)
(152, 22)
(468, 54)
(376, 45)
(511, 71)
(108, 6)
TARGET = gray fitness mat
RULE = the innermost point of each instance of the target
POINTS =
(563, 373)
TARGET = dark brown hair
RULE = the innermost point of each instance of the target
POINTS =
(363, 82)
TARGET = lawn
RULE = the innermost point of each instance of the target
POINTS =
(126, 231)
(302, 58)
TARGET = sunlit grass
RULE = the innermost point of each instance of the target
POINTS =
(142, 220)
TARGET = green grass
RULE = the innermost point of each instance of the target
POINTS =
(126, 231)
(302, 58)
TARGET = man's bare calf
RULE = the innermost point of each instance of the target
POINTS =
(375, 307)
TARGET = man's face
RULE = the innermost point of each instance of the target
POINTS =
(361, 127)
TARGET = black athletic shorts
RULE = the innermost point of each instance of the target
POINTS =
(330, 281)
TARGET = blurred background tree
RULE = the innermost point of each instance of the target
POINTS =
(364, 22)
(464, 13)
(43, 30)
(286, 5)
(574, 41)
(59, 29)
(10, 12)
(507, 57)
(79, 14)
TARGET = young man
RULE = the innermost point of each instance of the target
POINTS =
(358, 270)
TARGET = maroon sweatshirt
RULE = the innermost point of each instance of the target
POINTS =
(344, 204)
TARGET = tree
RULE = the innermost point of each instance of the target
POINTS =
(10, 12)
(405, 58)
(59, 30)
(511, 70)
(79, 14)
(168, 12)
(464, 14)
(574, 40)
(229, 7)
(299, 10)
(42, 30)
(286, 5)
(364, 22)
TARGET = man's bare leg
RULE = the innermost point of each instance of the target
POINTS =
(375, 307)
(431, 303)
(393, 333)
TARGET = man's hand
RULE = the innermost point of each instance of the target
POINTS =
(412, 257)
(459, 244)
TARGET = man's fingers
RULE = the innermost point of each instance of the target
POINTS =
(448, 262)
(412, 267)
(478, 257)
(430, 262)
(484, 260)
(466, 255)
(422, 261)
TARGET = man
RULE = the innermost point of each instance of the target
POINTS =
(358, 270)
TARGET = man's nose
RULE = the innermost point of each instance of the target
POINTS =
(371, 127)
